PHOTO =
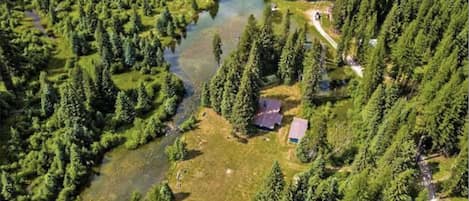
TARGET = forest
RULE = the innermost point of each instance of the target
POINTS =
(92, 76)
(61, 107)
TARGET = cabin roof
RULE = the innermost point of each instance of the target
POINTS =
(268, 113)
(298, 128)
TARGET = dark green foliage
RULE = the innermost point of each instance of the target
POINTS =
(144, 102)
(135, 196)
(217, 47)
(273, 185)
(205, 95)
(160, 192)
(194, 5)
(188, 124)
(311, 74)
(245, 104)
(401, 187)
(315, 142)
(231, 85)
(268, 56)
(247, 38)
(147, 8)
(287, 68)
(177, 151)
(136, 25)
(130, 54)
(48, 96)
(125, 112)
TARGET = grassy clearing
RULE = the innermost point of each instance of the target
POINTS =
(232, 170)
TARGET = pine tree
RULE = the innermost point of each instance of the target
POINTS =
(311, 74)
(147, 8)
(166, 194)
(116, 42)
(216, 88)
(247, 97)
(144, 102)
(130, 54)
(52, 14)
(373, 76)
(248, 36)
(135, 22)
(48, 96)
(217, 47)
(205, 95)
(273, 185)
(231, 86)
(287, 68)
(401, 187)
(285, 27)
(8, 191)
(72, 108)
(267, 42)
(177, 151)
(125, 112)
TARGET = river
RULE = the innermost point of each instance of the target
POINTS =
(123, 171)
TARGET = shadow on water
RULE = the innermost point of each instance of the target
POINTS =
(125, 171)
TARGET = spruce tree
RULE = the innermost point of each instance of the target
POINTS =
(125, 112)
(248, 36)
(232, 83)
(216, 88)
(130, 54)
(268, 56)
(273, 185)
(217, 48)
(311, 74)
(373, 76)
(287, 68)
(48, 96)
(247, 97)
(143, 100)
(136, 25)
(166, 194)
(147, 8)
(205, 95)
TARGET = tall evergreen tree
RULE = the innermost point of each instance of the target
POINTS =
(217, 47)
(273, 185)
(130, 54)
(125, 112)
(143, 100)
(205, 95)
(287, 68)
(247, 97)
(311, 73)
(232, 83)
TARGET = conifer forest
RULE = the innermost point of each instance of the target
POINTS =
(262, 100)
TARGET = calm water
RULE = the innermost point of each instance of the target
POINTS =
(123, 171)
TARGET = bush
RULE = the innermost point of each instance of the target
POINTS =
(177, 151)
(188, 124)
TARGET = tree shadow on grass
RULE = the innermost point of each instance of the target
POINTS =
(191, 154)
(181, 196)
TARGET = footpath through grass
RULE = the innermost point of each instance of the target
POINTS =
(220, 168)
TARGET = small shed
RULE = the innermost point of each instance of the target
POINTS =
(297, 129)
(268, 114)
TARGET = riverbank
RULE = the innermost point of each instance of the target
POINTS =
(233, 170)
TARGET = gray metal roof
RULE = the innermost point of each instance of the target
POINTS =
(268, 113)
(298, 128)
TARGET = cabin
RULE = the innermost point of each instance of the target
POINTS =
(268, 114)
(297, 129)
